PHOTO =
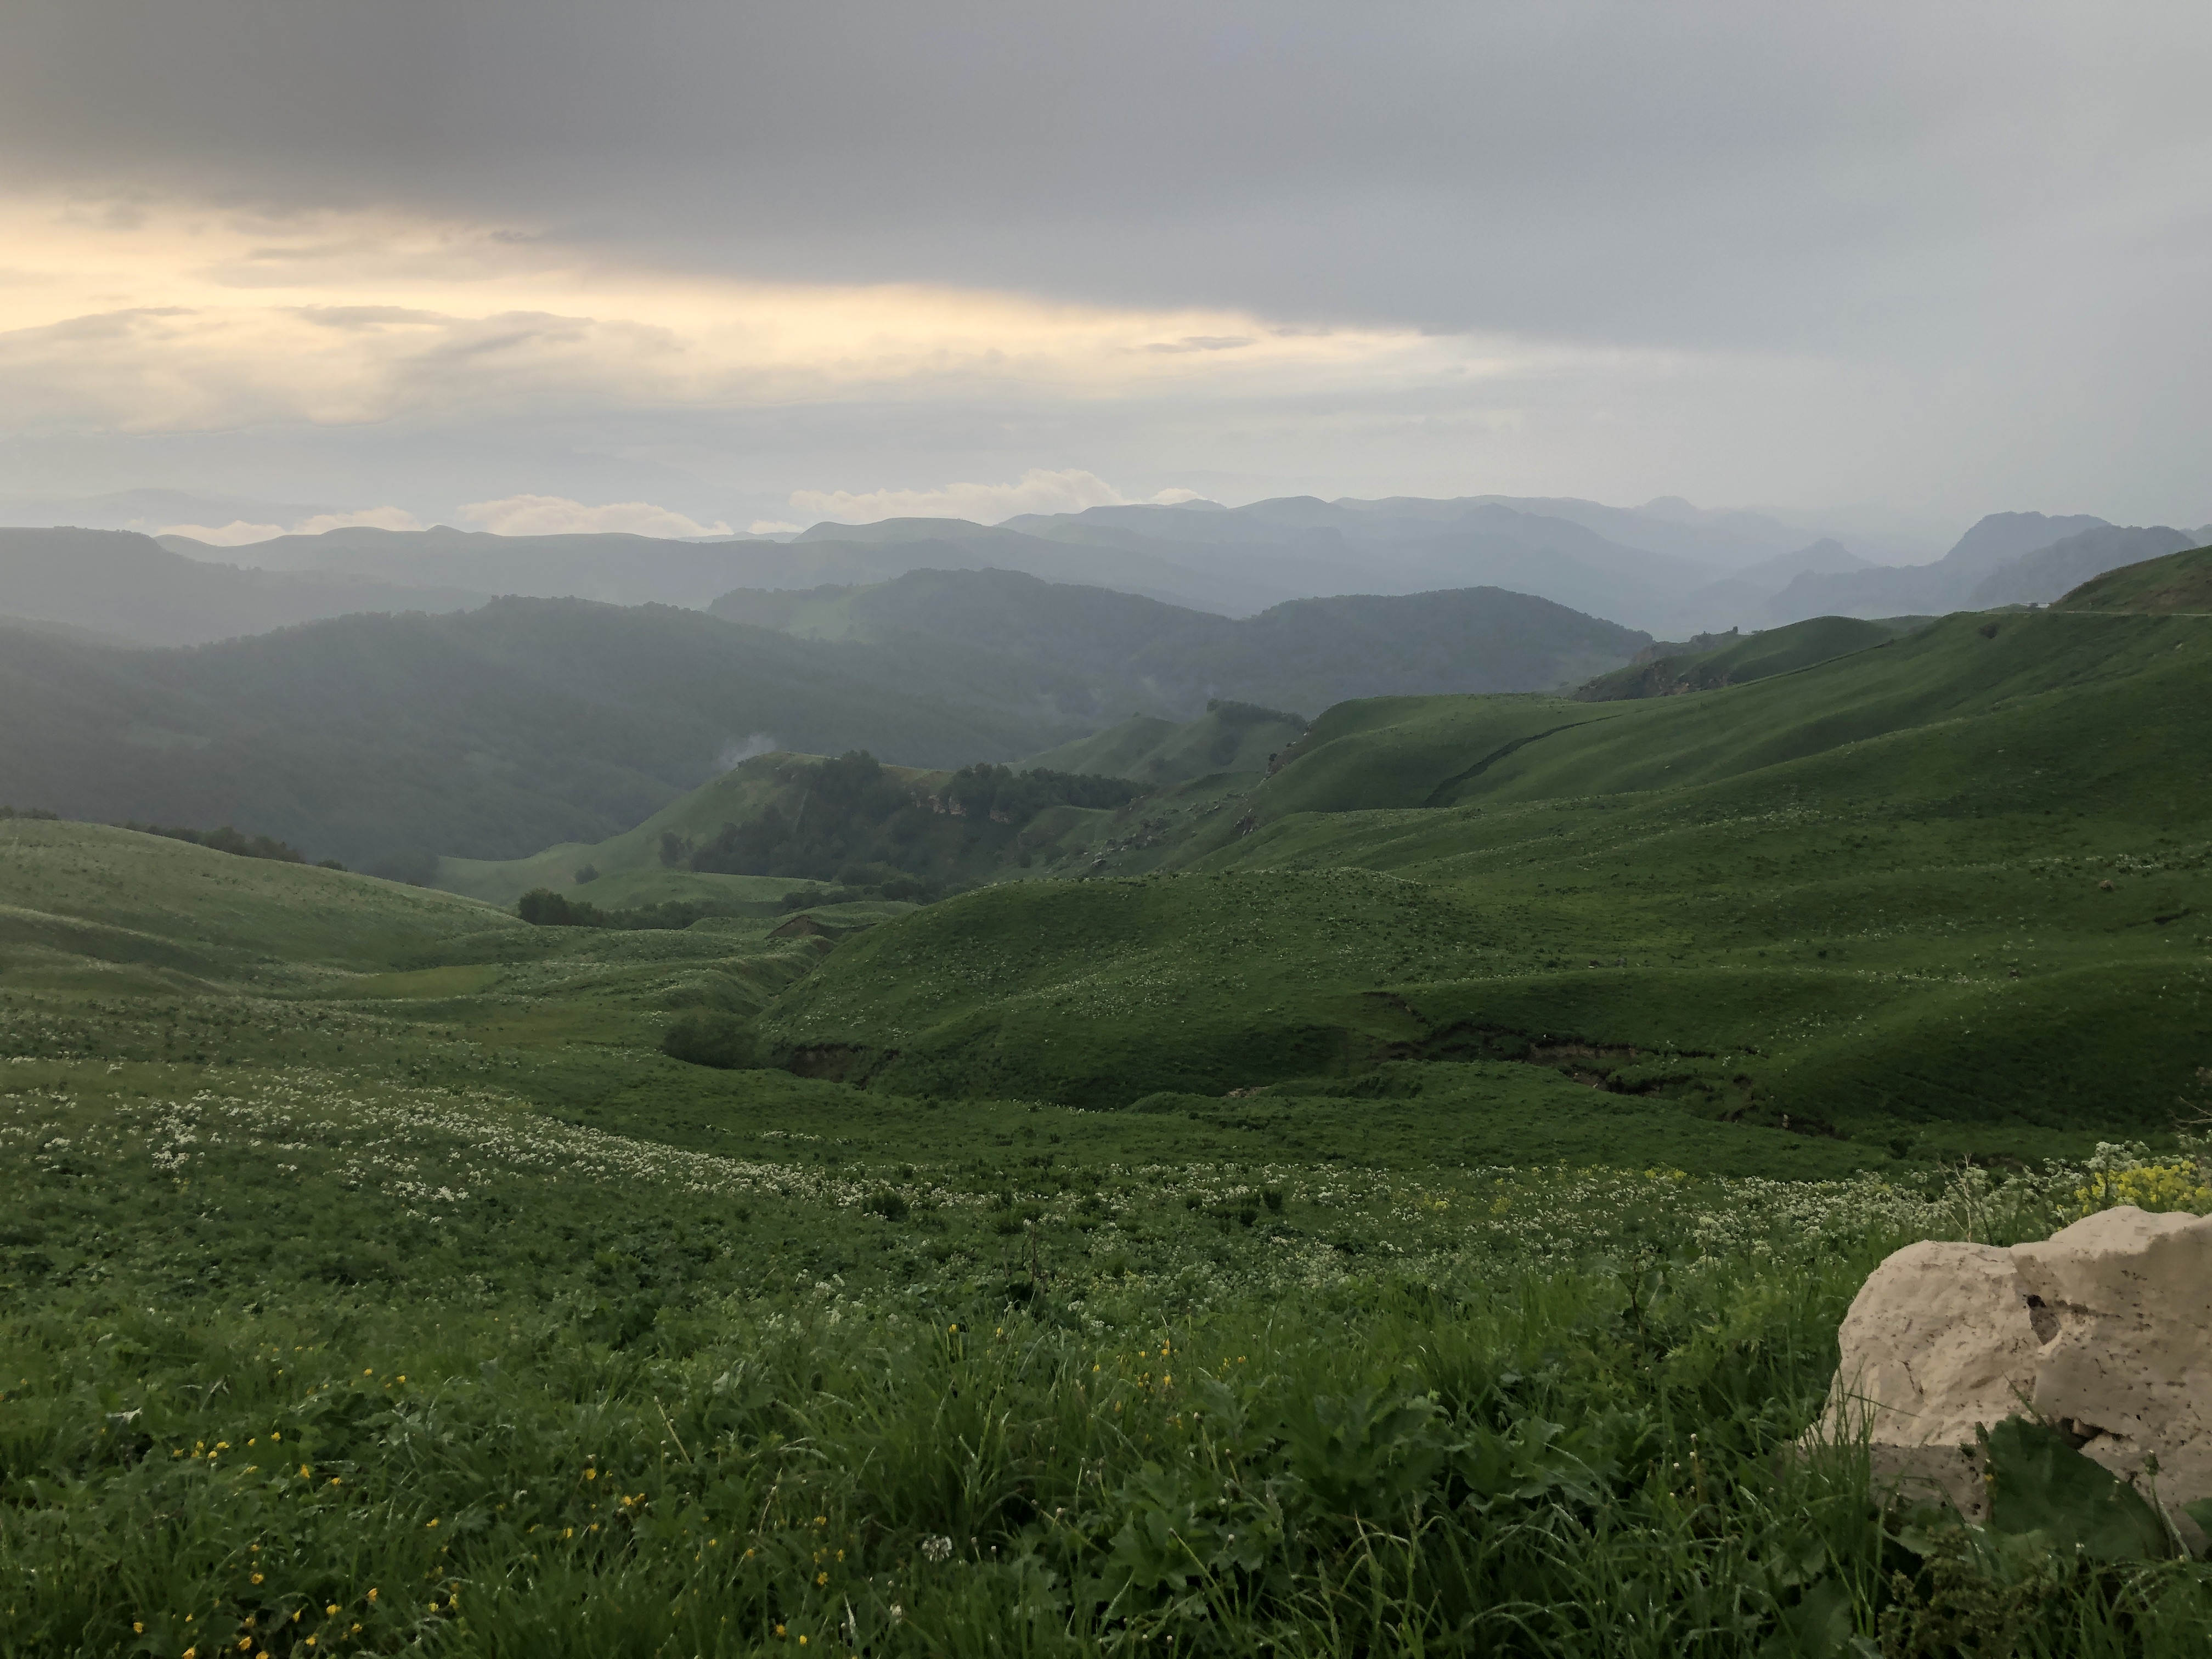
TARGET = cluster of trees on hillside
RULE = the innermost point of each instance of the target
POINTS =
(541, 906)
(1006, 796)
(859, 825)
(228, 840)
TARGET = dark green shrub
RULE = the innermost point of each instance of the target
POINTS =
(225, 840)
(886, 1202)
(706, 1037)
(541, 906)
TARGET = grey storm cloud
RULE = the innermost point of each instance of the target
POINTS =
(1678, 172)
(2004, 209)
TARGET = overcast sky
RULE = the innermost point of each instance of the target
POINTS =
(772, 262)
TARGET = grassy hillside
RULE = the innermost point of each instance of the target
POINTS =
(118, 902)
(1946, 894)
(782, 821)
(1229, 737)
(631, 870)
(1442, 750)
(1759, 656)
(2180, 584)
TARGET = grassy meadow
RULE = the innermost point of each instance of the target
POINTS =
(1401, 1202)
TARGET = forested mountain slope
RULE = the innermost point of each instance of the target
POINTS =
(117, 582)
(1142, 656)
(489, 735)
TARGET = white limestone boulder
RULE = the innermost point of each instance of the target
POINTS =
(2104, 1330)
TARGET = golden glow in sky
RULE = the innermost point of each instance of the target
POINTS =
(143, 317)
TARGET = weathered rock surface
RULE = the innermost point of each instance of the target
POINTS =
(2104, 1330)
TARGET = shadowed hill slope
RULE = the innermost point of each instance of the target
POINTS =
(1139, 654)
(115, 581)
(488, 734)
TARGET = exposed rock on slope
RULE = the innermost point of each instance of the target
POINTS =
(2105, 1330)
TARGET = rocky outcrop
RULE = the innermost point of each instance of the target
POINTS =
(2104, 1330)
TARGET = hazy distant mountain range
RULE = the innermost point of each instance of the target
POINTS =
(1665, 567)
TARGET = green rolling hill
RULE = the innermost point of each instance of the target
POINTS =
(1949, 894)
(1228, 737)
(114, 910)
(1757, 657)
(2181, 584)
(783, 822)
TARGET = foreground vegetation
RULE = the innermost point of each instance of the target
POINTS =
(400, 1296)
(389, 1367)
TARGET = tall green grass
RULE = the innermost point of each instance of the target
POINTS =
(413, 1368)
(1549, 1462)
